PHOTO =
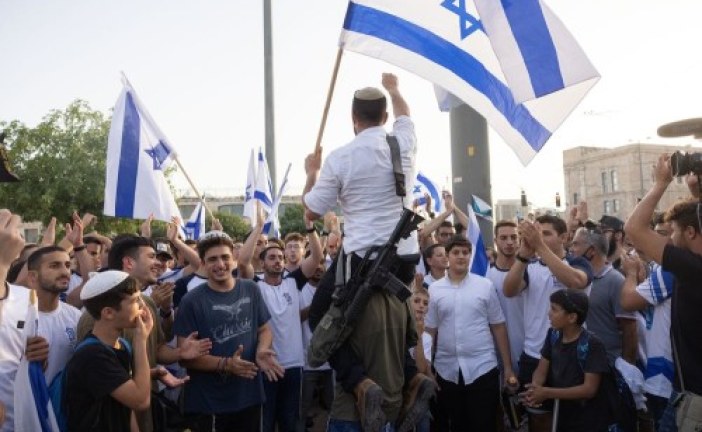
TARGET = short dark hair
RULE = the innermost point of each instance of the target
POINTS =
(126, 246)
(558, 224)
(369, 111)
(36, 257)
(112, 298)
(658, 218)
(686, 214)
(204, 245)
(269, 246)
(92, 240)
(294, 236)
(458, 241)
(446, 224)
(504, 223)
(572, 301)
(429, 250)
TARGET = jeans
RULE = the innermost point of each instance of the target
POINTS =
(282, 405)
(667, 421)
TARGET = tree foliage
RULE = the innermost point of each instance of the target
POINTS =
(292, 219)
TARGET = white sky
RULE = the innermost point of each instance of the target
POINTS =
(198, 68)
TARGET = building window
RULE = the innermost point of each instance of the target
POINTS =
(604, 182)
(607, 208)
(575, 198)
(615, 205)
(615, 180)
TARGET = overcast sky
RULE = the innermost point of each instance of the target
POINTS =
(198, 68)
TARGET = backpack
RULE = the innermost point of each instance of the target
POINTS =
(620, 400)
(58, 384)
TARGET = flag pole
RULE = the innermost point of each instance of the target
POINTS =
(192, 185)
(330, 93)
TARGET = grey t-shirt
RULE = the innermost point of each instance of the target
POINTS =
(229, 319)
(605, 309)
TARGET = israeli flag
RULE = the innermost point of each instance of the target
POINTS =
(272, 224)
(138, 153)
(33, 410)
(424, 185)
(479, 262)
(445, 42)
(481, 208)
(249, 201)
(263, 191)
(195, 226)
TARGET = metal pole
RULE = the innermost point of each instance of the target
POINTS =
(470, 162)
(268, 90)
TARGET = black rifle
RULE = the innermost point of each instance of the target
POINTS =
(376, 273)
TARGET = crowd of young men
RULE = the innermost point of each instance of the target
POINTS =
(213, 335)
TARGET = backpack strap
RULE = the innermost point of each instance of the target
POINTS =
(583, 348)
(397, 166)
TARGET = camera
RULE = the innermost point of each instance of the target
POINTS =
(686, 163)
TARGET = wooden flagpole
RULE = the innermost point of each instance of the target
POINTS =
(330, 93)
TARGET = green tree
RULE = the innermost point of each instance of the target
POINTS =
(233, 224)
(292, 219)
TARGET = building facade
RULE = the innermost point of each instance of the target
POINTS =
(613, 180)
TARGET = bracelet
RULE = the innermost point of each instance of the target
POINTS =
(522, 259)
(79, 248)
(222, 366)
(311, 230)
(325, 233)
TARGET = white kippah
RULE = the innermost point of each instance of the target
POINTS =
(102, 282)
(368, 94)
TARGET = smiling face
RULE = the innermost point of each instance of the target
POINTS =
(219, 262)
(144, 267)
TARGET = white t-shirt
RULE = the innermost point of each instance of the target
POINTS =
(657, 289)
(462, 315)
(306, 296)
(513, 309)
(73, 283)
(59, 329)
(541, 284)
(426, 346)
(359, 176)
(283, 303)
(13, 311)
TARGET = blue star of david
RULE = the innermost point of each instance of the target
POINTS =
(417, 190)
(467, 22)
(159, 153)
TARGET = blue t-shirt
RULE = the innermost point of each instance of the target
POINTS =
(229, 319)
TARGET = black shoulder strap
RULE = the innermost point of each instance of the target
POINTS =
(397, 166)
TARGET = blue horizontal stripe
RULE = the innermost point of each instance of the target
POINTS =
(395, 30)
(128, 160)
(526, 19)
(659, 366)
(263, 198)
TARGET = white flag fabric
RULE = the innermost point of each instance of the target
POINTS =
(481, 208)
(272, 224)
(445, 43)
(264, 190)
(424, 185)
(479, 261)
(249, 201)
(137, 155)
(538, 55)
(33, 410)
(195, 226)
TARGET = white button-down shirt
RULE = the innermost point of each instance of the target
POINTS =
(360, 177)
(462, 315)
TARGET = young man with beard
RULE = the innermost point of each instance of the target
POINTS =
(48, 275)
(108, 379)
(294, 249)
(464, 318)
(615, 327)
(282, 296)
(437, 263)
(537, 279)
(314, 380)
(136, 256)
(225, 392)
(613, 228)
(506, 244)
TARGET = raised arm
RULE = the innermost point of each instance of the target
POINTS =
(309, 265)
(399, 106)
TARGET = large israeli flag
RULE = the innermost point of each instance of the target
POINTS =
(445, 42)
(479, 262)
(195, 226)
(138, 153)
(249, 201)
(33, 410)
(263, 191)
(424, 185)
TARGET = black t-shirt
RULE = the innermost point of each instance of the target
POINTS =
(93, 373)
(565, 370)
(686, 313)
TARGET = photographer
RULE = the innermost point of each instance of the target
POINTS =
(683, 258)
